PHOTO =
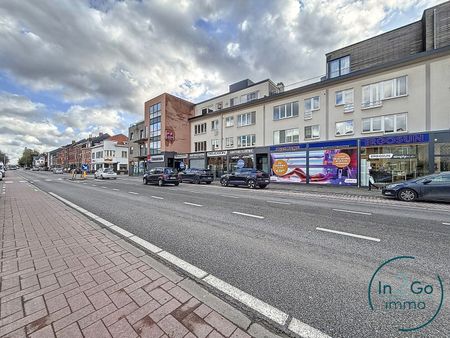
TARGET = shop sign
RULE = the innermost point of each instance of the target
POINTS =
(287, 148)
(241, 151)
(334, 144)
(399, 139)
(156, 158)
(197, 155)
(170, 135)
(180, 156)
(217, 153)
(240, 164)
(380, 156)
(280, 167)
(404, 157)
(341, 160)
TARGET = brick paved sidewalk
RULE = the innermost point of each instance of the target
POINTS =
(63, 275)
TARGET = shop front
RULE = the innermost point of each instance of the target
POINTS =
(217, 162)
(441, 151)
(154, 161)
(288, 164)
(240, 158)
(180, 161)
(197, 160)
(394, 158)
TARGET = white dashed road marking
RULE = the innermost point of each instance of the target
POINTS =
(248, 215)
(276, 202)
(349, 234)
(353, 212)
(230, 196)
(157, 197)
(445, 223)
(193, 204)
(116, 189)
(133, 193)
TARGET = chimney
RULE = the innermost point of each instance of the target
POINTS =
(280, 86)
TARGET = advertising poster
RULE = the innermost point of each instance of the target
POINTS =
(288, 167)
(333, 166)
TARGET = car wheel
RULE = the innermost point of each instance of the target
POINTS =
(196, 180)
(209, 182)
(262, 186)
(251, 184)
(224, 182)
(145, 181)
(176, 184)
(160, 182)
(407, 195)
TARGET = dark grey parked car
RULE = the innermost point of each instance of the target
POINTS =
(249, 177)
(428, 188)
(196, 176)
(161, 176)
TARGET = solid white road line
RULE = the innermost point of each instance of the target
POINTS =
(267, 310)
(349, 234)
(230, 196)
(157, 197)
(445, 223)
(276, 202)
(116, 189)
(194, 204)
(353, 212)
(304, 330)
(248, 215)
(132, 192)
(193, 270)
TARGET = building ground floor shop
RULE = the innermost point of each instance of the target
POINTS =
(388, 158)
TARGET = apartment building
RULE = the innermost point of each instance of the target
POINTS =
(382, 106)
(137, 148)
(111, 153)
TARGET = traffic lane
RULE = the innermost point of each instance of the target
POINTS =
(315, 269)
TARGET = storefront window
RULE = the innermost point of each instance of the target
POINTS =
(217, 165)
(394, 163)
(442, 157)
(248, 161)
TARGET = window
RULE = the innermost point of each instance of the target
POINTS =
(344, 97)
(246, 140)
(375, 92)
(312, 132)
(229, 121)
(200, 128)
(371, 96)
(219, 105)
(312, 103)
(286, 136)
(229, 142)
(339, 67)
(131, 150)
(394, 87)
(215, 125)
(252, 96)
(200, 146)
(155, 110)
(389, 124)
(246, 119)
(344, 128)
(124, 154)
(234, 101)
(214, 144)
(131, 136)
(285, 111)
(93, 155)
(207, 110)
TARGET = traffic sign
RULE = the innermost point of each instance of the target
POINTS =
(84, 167)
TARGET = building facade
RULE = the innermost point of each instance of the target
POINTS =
(111, 153)
(137, 148)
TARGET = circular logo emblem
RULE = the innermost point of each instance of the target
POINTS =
(403, 295)
(341, 160)
(280, 167)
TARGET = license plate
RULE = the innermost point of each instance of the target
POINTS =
(267, 181)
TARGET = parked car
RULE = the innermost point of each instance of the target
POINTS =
(2, 170)
(58, 171)
(161, 176)
(35, 169)
(105, 173)
(428, 188)
(196, 176)
(249, 177)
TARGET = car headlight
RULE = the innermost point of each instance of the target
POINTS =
(392, 186)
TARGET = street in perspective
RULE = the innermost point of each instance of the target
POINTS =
(150, 188)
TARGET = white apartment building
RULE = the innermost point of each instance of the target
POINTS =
(110, 154)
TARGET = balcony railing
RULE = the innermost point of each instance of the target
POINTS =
(307, 115)
(349, 108)
(372, 104)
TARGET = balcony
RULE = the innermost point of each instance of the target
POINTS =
(372, 104)
(349, 108)
(307, 115)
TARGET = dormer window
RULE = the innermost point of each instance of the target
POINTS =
(339, 67)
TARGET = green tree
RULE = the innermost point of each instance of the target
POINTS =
(3, 157)
(27, 157)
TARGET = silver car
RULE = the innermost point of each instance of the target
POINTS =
(105, 173)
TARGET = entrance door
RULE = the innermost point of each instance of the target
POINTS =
(262, 162)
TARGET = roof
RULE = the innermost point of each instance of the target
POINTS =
(410, 59)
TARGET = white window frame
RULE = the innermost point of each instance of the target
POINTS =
(245, 141)
(287, 138)
(229, 142)
(281, 110)
(215, 144)
(345, 124)
(200, 128)
(383, 129)
(229, 121)
(215, 125)
(312, 134)
(246, 119)
(312, 101)
(348, 97)
(376, 100)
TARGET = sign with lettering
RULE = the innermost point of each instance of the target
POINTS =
(156, 158)
(394, 139)
(241, 151)
(217, 153)
(180, 156)
(197, 155)
(170, 135)
(379, 156)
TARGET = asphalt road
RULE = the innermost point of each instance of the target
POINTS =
(286, 255)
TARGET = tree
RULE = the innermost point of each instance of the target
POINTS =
(27, 157)
(3, 157)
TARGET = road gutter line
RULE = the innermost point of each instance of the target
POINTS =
(349, 234)
(248, 215)
(252, 302)
(193, 204)
(353, 212)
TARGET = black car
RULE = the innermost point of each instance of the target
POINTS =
(161, 176)
(196, 176)
(249, 177)
(428, 188)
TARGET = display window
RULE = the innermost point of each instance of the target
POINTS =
(441, 157)
(288, 167)
(333, 166)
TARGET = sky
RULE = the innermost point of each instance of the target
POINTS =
(74, 68)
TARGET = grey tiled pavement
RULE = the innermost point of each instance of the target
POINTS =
(62, 275)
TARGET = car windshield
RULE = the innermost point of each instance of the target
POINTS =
(109, 170)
